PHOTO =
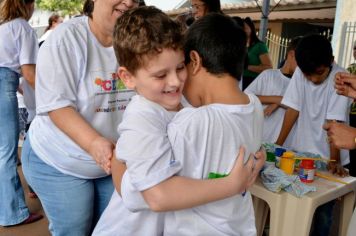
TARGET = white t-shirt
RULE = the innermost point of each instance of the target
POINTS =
(316, 104)
(271, 83)
(18, 44)
(144, 146)
(74, 69)
(45, 35)
(205, 140)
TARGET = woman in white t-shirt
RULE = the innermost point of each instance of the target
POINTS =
(79, 103)
(18, 47)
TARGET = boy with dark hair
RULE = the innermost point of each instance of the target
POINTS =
(312, 100)
(224, 119)
(148, 46)
(270, 86)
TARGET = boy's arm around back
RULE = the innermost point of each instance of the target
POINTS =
(180, 192)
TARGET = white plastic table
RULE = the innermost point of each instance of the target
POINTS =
(292, 216)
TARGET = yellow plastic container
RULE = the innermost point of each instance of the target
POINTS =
(287, 163)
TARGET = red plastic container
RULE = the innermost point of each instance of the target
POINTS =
(307, 171)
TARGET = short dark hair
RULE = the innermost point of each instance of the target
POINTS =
(313, 51)
(144, 31)
(220, 42)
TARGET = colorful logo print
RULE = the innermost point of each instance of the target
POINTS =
(112, 84)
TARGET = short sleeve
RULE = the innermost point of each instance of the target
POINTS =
(262, 48)
(57, 75)
(256, 87)
(144, 146)
(28, 46)
(294, 91)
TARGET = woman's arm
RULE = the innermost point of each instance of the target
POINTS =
(78, 129)
(28, 72)
(180, 192)
(266, 63)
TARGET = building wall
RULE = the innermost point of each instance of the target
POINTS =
(345, 12)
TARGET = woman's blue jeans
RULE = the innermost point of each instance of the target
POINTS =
(13, 209)
(72, 205)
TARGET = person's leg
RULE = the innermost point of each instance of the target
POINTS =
(13, 209)
(323, 219)
(67, 200)
(103, 188)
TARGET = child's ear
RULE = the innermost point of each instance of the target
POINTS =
(126, 77)
(196, 61)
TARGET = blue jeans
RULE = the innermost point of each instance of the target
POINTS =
(72, 205)
(13, 209)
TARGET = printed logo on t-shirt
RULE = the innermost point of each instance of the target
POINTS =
(111, 94)
(109, 85)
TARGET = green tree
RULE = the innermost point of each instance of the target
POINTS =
(64, 7)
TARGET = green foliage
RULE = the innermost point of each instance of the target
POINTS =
(64, 7)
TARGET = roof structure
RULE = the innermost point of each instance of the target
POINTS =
(280, 9)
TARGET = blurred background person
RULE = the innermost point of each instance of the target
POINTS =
(53, 21)
(258, 58)
(18, 47)
(352, 117)
(202, 7)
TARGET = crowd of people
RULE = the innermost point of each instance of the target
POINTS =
(145, 124)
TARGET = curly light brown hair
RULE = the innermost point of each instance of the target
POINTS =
(142, 33)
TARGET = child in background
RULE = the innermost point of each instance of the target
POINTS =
(312, 101)
(269, 87)
(152, 62)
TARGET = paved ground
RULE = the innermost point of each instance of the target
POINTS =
(39, 228)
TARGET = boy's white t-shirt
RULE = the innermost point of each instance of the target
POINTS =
(207, 139)
(145, 148)
(271, 83)
(18, 44)
(75, 70)
(316, 104)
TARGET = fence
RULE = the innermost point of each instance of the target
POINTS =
(277, 46)
(348, 37)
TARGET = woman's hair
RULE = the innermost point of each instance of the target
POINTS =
(12, 9)
(212, 5)
(253, 36)
(52, 19)
(88, 8)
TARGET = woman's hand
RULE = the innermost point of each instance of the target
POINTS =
(341, 135)
(345, 84)
(102, 150)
